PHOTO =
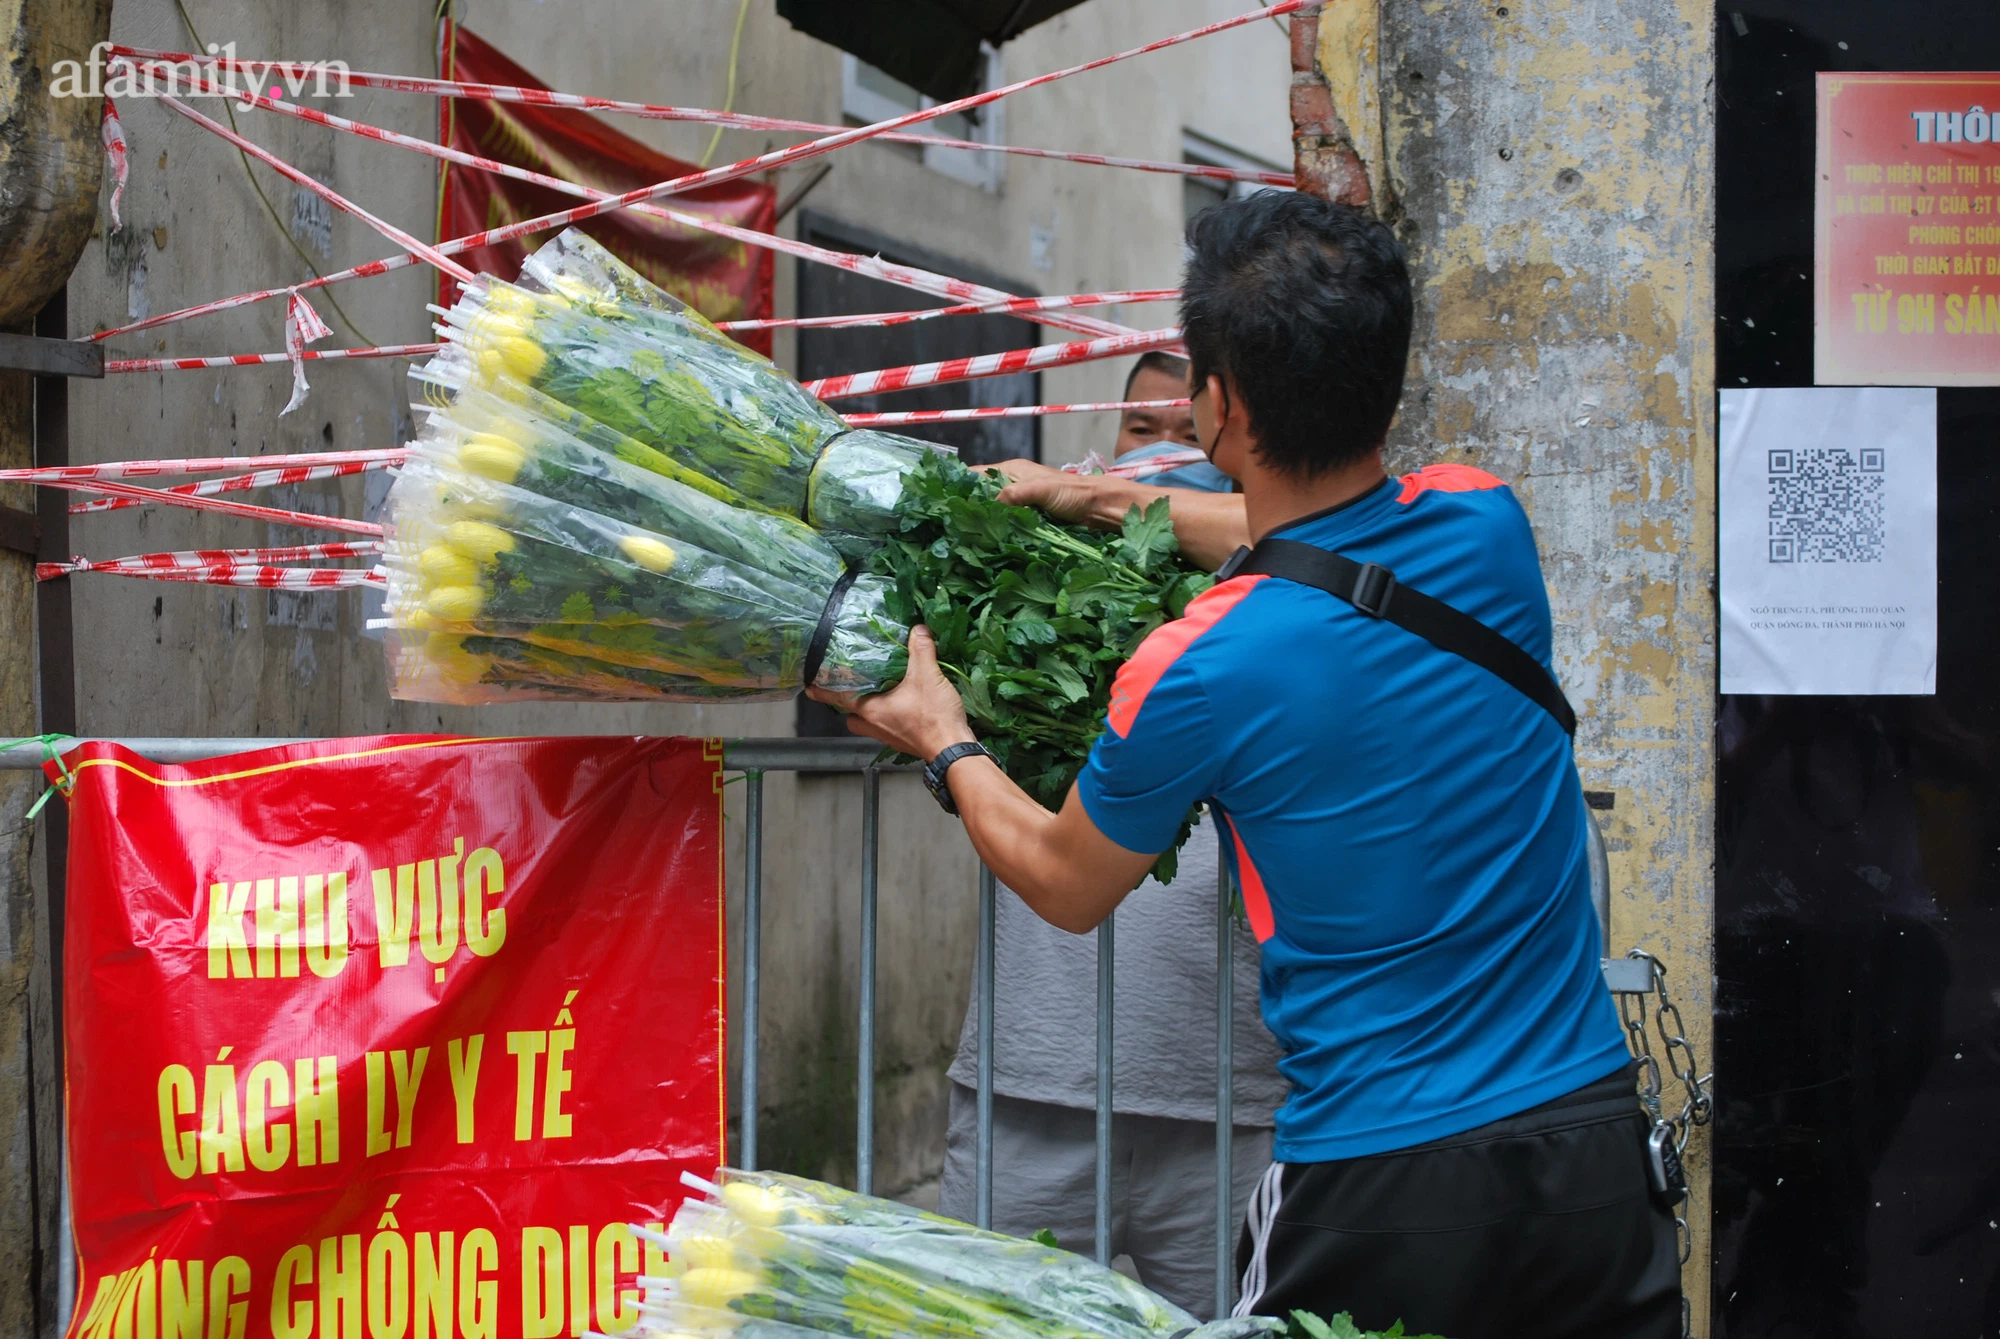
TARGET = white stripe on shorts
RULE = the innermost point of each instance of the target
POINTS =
(1261, 1212)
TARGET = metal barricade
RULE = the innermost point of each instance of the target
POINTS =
(754, 758)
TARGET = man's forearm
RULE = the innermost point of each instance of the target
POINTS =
(1209, 526)
(1067, 879)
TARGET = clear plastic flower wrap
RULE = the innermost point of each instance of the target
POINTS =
(777, 1255)
(586, 330)
(577, 269)
(714, 408)
(658, 592)
(857, 484)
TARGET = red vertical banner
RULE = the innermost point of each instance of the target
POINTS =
(1907, 230)
(389, 1035)
(722, 279)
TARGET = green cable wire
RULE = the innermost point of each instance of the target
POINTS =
(729, 97)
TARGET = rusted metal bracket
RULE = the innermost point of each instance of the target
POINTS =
(50, 357)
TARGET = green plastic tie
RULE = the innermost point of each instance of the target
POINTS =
(48, 743)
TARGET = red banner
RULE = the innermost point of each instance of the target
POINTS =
(1907, 231)
(388, 1036)
(722, 279)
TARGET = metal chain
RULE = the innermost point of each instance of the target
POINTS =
(1698, 1106)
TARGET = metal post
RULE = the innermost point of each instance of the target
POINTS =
(1225, 1093)
(753, 962)
(1600, 874)
(864, 1106)
(983, 1154)
(1105, 942)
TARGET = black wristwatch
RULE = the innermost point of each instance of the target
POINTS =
(934, 770)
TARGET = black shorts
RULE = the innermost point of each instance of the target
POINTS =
(1538, 1225)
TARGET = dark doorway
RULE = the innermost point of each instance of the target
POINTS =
(1857, 1138)
(825, 291)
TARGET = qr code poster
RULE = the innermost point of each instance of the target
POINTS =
(1829, 541)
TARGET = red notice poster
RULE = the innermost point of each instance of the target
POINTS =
(388, 1036)
(1907, 231)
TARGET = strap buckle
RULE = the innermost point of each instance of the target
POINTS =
(1374, 587)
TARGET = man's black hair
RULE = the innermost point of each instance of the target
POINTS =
(1172, 364)
(1305, 306)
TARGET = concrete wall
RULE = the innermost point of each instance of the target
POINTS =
(1551, 166)
(178, 660)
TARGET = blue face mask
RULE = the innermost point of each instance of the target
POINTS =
(1200, 476)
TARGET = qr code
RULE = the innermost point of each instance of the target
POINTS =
(1826, 505)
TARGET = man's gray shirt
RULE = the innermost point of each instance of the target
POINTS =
(1163, 1047)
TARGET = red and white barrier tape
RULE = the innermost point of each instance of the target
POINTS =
(297, 72)
(420, 249)
(906, 416)
(202, 560)
(236, 483)
(990, 364)
(922, 280)
(764, 162)
(245, 574)
(1141, 469)
(112, 133)
(112, 365)
(1012, 307)
(147, 469)
(306, 519)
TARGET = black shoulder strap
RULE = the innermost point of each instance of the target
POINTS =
(1375, 591)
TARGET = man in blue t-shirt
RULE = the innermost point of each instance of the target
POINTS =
(1461, 1149)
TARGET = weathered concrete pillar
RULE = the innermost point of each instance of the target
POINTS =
(50, 166)
(1549, 164)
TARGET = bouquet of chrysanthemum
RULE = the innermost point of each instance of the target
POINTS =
(604, 504)
(587, 331)
(767, 1253)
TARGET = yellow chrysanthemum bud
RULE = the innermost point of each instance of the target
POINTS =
(492, 457)
(441, 566)
(489, 366)
(478, 541)
(488, 327)
(715, 1288)
(454, 604)
(705, 1253)
(652, 554)
(522, 357)
(447, 654)
(509, 301)
(753, 1203)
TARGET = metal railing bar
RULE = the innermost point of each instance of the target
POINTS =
(1225, 1092)
(753, 961)
(1106, 940)
(864, 1101)
(983, 1152)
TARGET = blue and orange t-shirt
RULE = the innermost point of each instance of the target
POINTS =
(1407, 829)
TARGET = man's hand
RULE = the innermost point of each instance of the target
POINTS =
(1209, 526)
(921, 716)
(1078, 498)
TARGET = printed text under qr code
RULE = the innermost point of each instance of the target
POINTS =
(1826, 505)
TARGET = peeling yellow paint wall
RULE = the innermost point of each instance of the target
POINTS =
(1552, 167)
